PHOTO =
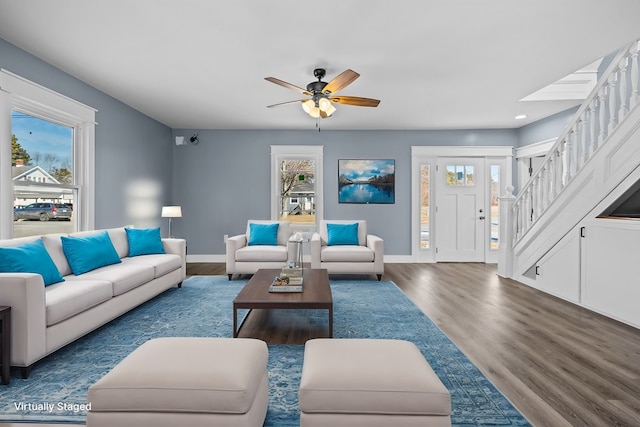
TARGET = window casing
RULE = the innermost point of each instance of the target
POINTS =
(18, 94)
(304, 163)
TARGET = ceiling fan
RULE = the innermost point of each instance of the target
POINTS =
(323, 94)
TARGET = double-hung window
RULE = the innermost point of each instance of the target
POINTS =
(46, 160)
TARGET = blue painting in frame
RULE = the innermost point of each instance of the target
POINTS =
(366, 181)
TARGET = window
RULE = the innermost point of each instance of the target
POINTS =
(425, 202)
(41, 152)
(46, 155)
(296, 186)
(460, 175)
(494, 213)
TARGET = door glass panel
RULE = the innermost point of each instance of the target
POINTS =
(460, 175)
(495, 208)
(297, 191)
(425, 202)
(42, 173)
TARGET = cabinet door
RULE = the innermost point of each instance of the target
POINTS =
(611, 268)
(558, 272)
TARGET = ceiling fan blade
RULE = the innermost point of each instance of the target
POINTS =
(288, 85)
(285, 103)
(355, 100)
(341, 81)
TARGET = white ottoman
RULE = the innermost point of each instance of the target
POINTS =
(368, 382)
(184, 382)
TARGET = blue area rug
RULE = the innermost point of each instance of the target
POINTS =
(57, 386)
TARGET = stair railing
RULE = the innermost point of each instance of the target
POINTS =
(615, 94)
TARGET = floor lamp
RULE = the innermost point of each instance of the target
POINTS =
(171, 212)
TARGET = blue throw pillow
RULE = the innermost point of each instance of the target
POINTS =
(263, 234)
(30, 258)
(342, 234)
(144, 241)
(87, 253)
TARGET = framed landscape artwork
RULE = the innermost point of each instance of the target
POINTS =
(366, 181)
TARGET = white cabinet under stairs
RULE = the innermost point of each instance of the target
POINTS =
(597, 266)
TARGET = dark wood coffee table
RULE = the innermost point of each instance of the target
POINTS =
(316, 295)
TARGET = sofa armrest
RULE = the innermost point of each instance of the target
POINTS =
(25, 294)
(177, 247)
(376, 244)
(233, 244)
(316, 248)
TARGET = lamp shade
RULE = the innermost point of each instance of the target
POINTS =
(171, 212)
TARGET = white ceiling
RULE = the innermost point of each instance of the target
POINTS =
(434, 64)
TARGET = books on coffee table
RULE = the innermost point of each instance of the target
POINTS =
(284, 284)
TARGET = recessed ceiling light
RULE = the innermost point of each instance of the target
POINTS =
(521, 116)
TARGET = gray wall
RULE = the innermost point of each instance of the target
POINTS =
(545, 129)
(133, 152)
(225, 179)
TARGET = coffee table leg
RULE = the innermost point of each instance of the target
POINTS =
(235, 322)
(331, 321)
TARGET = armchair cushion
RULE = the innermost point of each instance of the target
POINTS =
(347, 253)
(342, 234)
(283, 230)
(362, 230)
(263, 234)
(262, 253)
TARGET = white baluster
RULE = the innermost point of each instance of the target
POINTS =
(544, 188)
(517, 227)
(611, 91)
(635, 96)
(535, 199)
(602, 116)
(568, 158)
(553, 176)
(560, 169)
(586, 133)
(592, 126)
(624, 109)
(577, 148)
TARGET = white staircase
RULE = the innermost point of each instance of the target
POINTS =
(595, 158)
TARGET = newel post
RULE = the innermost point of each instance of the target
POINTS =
(507, 226)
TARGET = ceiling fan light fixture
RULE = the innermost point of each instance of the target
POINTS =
(310, 108)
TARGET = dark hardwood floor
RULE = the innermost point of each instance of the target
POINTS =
(559, 364)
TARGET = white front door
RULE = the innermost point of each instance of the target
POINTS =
(460, 209)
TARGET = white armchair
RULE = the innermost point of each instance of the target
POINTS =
(246, 254)
(336, 249)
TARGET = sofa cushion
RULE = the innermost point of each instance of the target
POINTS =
(162, 263)
(30, 258)
(66, 299)
(86, 253)
(144, 241)
(124, 276)
(53, 243)
(342, 234)
(117, 235)
(263, 234)
(343, 253)
(262, 254)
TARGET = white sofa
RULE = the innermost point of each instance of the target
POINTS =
(365, 257)
(243, 258)
(44, 319)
